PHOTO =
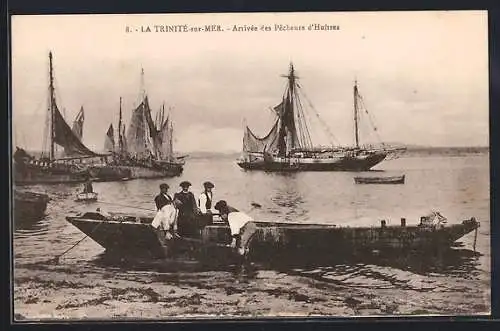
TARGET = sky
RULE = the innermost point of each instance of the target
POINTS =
(423, 75)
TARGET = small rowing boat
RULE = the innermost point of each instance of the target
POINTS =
(380, 180)
(29, 207)
(89, 196)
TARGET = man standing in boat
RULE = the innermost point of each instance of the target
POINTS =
(163, 198)
(87, 187)
(242, 226)
(187, 224)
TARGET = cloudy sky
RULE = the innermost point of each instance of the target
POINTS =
(423, 75)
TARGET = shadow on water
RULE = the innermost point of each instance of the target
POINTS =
(165, 265)
(461, 263)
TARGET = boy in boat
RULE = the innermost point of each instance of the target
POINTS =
(187, 211)
(242, 225)
(163, 198)
(87, 187)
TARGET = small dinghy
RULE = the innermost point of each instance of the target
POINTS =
(380, 180)
(91, 196)
(29, 207)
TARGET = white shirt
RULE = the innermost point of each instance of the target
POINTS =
(237, 220)
(202, 201)
(166, 218)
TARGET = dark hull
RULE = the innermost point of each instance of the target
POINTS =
(37, 175)
(29, 207)
(126, 172)
(344, 164)
(269, 241)
(135, 237)
(379, 180)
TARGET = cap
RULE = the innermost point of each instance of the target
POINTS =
(208, 185)
(185, 184)
(222, 207)
(164, 186)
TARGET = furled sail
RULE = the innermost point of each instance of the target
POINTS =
(138, 135)
(109, 140)
(77, 130)
(164, 139)
(78, 124)
(66, 138)
(255, 144)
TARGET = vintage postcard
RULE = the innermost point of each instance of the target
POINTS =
(175, 166)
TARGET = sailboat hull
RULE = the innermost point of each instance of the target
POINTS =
(315, 164)
(109, 173)
(26, 175)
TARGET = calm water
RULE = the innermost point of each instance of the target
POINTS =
(88, 284)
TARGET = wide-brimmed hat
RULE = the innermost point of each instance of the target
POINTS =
(164, 186)
(208, 185)
(185, 184)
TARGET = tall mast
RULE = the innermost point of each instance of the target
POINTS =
(170, 137)
(291, 84)
(51, 108)
(120, 147)
(356, 114)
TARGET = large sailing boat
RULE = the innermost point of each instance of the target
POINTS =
(145, 149)
(288, 145)
(50, 167)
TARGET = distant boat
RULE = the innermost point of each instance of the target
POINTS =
(50, 168)
(29, 207)
(89, 196)
(146, 149)
(266, 241)
(380, 180)
(288, 145)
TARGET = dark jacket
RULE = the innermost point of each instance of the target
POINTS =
(161, 200)
(188, 202)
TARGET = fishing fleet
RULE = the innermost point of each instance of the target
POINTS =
(144, 149)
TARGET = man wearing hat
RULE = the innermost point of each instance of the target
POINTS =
(242, 226)
(187, 211)
(205, 199)
(163, 198)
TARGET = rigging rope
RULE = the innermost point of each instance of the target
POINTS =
(326, 127)
(372, 122)
(307, 134)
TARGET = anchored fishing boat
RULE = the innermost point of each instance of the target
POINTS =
(50, 167)
(29, 207)
(380, 180)
(129, 234)
(288, 145)
(145, 150)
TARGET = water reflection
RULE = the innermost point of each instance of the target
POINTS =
(287, 198)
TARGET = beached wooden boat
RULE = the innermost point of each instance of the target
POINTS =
(380, 180)
(29, 207)
(90, 196)
(132, 235)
